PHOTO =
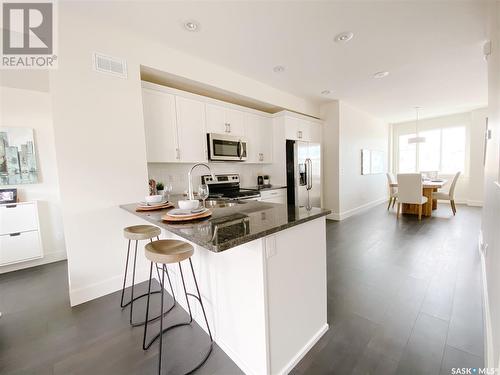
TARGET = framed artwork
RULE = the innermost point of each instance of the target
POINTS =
(372, 162)
(8, 196)
(17, 157)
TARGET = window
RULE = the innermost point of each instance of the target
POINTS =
(442, 151)
(407, 154)
(429, 151)
(453, 150)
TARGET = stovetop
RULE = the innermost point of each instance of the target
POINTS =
(227, 186)
(234, 194)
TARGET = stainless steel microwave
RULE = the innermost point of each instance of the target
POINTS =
(226, 147)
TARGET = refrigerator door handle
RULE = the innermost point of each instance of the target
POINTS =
(309, 173)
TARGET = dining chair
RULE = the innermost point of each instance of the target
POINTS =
(393, 191)
(450, 195)
(410, 191)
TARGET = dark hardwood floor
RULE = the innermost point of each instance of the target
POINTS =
(404, 297)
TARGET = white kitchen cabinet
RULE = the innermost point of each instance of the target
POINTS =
(191, 133)
(259, 134)
(274, 196)
(19, 233)
(222, 120)
(302, 130)
(160, 126)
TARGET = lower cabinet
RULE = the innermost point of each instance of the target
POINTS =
(273, 196)
(19, 233)
(19, 247)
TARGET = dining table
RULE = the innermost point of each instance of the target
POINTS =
(428, 187)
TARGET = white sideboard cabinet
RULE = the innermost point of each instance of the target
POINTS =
(20, 238)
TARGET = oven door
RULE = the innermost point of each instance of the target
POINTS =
(226, 147)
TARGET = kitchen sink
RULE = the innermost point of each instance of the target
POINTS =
(214, 203)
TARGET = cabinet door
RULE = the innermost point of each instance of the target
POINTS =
(18, 218)
(216, 119)
(236, 122)
(316, 132)
(266, 139)
(191, 132)
(159, 126)
(19, 247)
(223, 120)
(292, 128)
(252, 131)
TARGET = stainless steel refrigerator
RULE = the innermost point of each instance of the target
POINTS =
(303, 170)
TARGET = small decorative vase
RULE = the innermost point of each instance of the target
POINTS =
(161, 192)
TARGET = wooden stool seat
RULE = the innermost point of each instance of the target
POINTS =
(141, 232)
(168, 251)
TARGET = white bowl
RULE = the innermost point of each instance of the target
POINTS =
(188, 204)
(154, 198)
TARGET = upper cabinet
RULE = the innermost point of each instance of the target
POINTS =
(176, 125)
(302, 130)
(222, 120)
(191, 131)
(160, 126)
(258, 130)
(174, 128)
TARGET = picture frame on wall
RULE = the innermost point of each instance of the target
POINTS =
(373, 162)
(18, 160)
(8, 196)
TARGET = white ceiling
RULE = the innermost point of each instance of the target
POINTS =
(433, 50)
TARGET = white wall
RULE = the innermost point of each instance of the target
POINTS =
(346, 132)
(100, 144)
(470, 185)
(331, 133)
(32, 109)
(359, 130)
(491, 209)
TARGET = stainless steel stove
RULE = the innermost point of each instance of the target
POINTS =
(227, 186)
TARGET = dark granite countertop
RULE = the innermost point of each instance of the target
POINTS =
(265, 187)
(235, 224)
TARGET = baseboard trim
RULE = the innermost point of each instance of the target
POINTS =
(344, 215)
(488, 337)
(48, 257)
(475, 203)
(305, 349)
(104, 287)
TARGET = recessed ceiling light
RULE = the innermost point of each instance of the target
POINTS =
(279, 69)
(191, 25)
(344, 37)
(380, 75)
(326, 92)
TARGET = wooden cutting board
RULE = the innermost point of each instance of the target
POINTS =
(177, 219)
(154, 208)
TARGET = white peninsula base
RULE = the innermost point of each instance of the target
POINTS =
(266, 300)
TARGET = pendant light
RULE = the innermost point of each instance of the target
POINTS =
(416, 139)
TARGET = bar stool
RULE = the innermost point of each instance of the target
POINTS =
(137, 233)
(168, 252)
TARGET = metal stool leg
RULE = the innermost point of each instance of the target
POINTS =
(125, 276)
(161, 322)
(133, 283)
(133, 298)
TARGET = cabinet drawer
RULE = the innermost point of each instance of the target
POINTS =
(267, 194)
(19, 247)
(18, 218)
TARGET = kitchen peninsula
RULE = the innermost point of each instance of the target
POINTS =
(262, 274)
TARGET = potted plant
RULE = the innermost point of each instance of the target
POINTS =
(160, 188)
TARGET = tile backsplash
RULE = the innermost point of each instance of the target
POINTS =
(176, 173)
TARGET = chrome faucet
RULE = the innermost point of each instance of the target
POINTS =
(190, 183)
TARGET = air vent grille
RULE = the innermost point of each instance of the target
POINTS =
(110, 65)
